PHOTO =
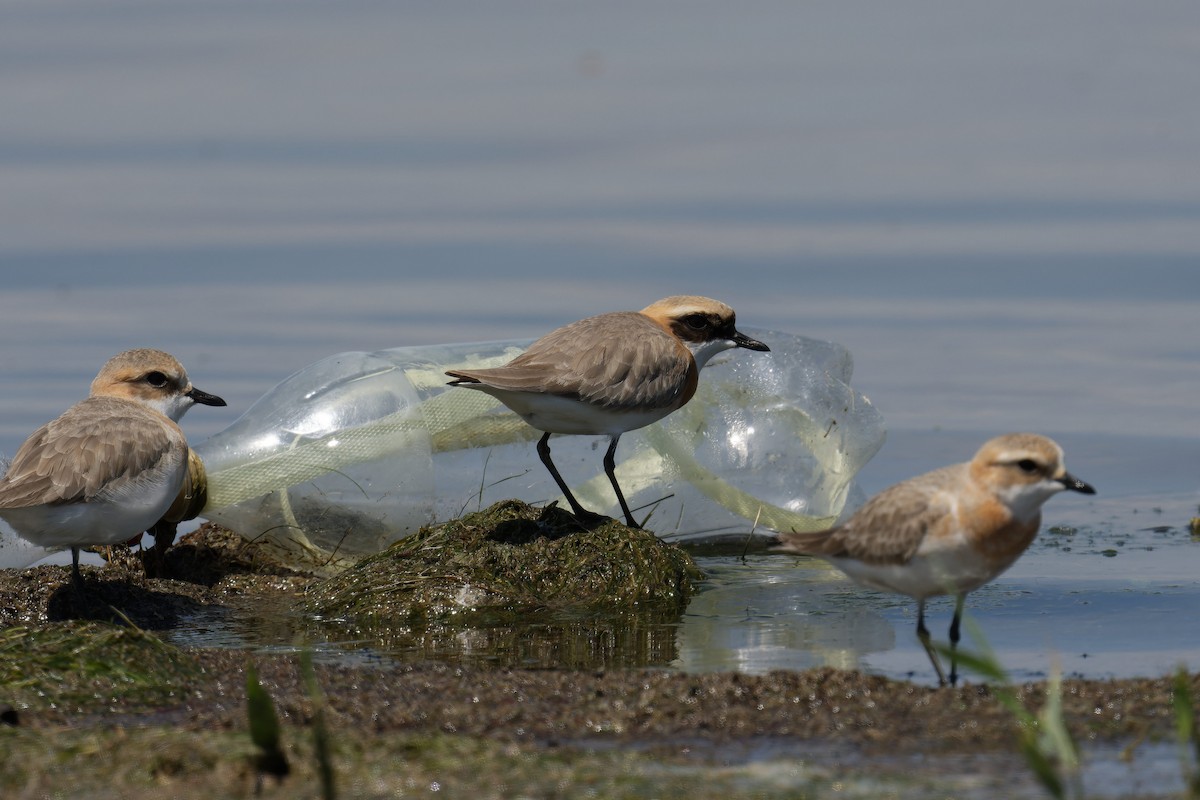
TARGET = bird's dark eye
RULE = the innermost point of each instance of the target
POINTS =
(1027, 465)
(696, 322)
(156, 379)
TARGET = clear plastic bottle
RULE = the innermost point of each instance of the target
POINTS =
(360, 449)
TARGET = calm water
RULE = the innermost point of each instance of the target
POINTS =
(994, 207)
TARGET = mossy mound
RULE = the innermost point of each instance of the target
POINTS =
(212, 554)
(510, 559)
(89, 665)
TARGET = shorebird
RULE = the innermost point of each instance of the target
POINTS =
(948, 531)
(611, 373)
(111, 465)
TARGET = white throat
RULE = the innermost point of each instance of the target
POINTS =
(173, 407)
(706, 350)
(1026, 501)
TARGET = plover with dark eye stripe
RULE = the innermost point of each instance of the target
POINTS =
(611, 373)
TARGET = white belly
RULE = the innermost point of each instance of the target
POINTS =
(555, 414)
(955, 572)
(98, 522)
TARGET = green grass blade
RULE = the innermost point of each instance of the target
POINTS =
(1185, 729)
(264, 726)
(321, 741)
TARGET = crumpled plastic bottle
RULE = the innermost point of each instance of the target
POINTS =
(361, 449)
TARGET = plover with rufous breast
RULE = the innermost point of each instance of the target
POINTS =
(948, 531)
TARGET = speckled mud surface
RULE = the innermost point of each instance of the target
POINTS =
(400, 731)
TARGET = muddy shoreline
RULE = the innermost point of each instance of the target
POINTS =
(540, 712)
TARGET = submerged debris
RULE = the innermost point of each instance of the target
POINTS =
(510, 559)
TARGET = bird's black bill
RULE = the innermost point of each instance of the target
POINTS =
(1075, 485)
(742, 340)
(204, 398)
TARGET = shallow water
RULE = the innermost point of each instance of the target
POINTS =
(1094, 600)
(1098, 595)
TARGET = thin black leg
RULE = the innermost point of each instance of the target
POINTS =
(76, 575)
(543, 449)
(154, 559)
(610, 469)
(923, 635)
(954, 626)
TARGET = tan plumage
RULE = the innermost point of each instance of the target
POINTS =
(108, 467)
(889, 528)
(76, 459)
(622, 361)
(948, 531)
(611, 373)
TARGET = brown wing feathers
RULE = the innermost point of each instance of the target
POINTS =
(888, 529)
(583, 361)
(73, 461)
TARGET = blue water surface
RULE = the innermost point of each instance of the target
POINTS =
(995, 207)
